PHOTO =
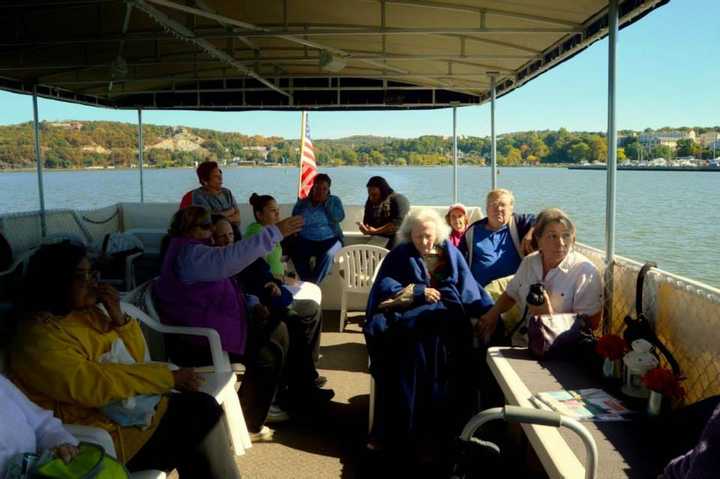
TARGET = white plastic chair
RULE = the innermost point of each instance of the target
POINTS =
(146, 298)
(219, 383)
(357, 266)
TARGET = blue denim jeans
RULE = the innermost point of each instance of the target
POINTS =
(323, 251)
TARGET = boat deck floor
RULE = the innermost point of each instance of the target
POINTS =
(332, 444)
(328, 445)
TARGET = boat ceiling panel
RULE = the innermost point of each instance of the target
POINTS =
(291, 54)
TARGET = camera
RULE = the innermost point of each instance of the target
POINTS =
(536, 295)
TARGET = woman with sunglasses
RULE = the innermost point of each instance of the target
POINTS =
(196, 288)
(70, 324)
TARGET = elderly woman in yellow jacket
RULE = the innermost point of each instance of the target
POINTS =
(57, 360)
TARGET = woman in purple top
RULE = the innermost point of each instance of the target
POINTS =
(196, 288)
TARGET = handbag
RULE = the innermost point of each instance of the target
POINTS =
(91, 463)
(557, 336)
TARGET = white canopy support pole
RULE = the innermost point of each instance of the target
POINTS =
(141, 154)
(39, 164)
(493, 140)
(455, 157)
(611, 164)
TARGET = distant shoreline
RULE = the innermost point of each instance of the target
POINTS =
(646, 168)
(32, 170)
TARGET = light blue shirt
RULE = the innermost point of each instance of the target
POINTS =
(334, 214)
(317, 224)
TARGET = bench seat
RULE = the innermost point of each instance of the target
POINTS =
(622, 451)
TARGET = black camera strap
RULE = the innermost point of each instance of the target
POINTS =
(520, 324)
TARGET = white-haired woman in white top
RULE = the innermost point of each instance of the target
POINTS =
(571, 282)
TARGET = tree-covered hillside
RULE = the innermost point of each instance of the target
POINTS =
(75, 144)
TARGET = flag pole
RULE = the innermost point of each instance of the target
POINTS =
(303, 119)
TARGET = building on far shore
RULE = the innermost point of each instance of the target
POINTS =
(666, 138)
(709, 139)
(256, 153)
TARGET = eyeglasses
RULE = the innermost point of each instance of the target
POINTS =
(87, 275)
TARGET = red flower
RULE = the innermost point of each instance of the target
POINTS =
(611, 346)
(663, 380)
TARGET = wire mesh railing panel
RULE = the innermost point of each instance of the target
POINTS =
(687, 320)
(685, 315)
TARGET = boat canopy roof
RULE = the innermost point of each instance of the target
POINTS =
(291, 54)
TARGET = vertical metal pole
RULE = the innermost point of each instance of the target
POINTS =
(493, 142)
(455, 157)
(39, 164)
(611, 165)
(141, 154)
(303, 120)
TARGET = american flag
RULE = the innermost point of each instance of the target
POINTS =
(308, 168)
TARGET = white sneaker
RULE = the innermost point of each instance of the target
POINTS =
(275, 415)
(263, 435)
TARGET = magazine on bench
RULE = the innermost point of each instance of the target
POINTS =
(590, 404)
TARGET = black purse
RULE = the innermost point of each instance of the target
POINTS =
(639, 327)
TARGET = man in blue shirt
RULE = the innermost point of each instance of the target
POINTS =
(321, 236)
(495, 245)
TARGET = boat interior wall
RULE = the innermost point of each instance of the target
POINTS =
(684, 315)
(24, 231)
(300, 54)
(101, 221)
(149, 222)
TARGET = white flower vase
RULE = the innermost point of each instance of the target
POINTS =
(655, 401)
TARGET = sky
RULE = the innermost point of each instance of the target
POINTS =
(668, 75)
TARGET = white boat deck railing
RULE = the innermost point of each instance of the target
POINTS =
(685, 313)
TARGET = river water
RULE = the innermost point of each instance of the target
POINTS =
(672, 218)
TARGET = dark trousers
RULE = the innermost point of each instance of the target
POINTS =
(304, 330)
(267, 350)
(310, 315)
(176, 441)
(265, 354)
(323, 251)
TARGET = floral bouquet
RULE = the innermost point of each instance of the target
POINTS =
(665, 382)
(611, 346)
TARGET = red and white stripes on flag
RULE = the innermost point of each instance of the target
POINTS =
(308, 168)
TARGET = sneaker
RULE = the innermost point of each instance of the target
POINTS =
(276, 415)
(263, 435)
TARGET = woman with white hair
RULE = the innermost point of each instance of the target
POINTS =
(419, 336)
